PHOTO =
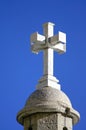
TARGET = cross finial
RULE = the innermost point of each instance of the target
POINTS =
(48, 43)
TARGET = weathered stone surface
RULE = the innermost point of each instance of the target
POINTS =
(48, 96)
(47, 121)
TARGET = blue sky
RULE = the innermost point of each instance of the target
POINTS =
(20, 69)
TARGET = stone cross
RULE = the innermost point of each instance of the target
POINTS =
(48, 43)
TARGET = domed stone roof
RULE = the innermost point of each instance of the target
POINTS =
(48, 99)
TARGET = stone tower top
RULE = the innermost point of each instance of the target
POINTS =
(48, 108)
(48, 43)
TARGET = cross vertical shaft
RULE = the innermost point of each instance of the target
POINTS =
(48, 61)
(48, 52)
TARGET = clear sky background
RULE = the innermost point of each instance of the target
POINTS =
(20, 69)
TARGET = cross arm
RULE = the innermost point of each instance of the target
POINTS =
(37, 41)
(58, 42)
(60, 48)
